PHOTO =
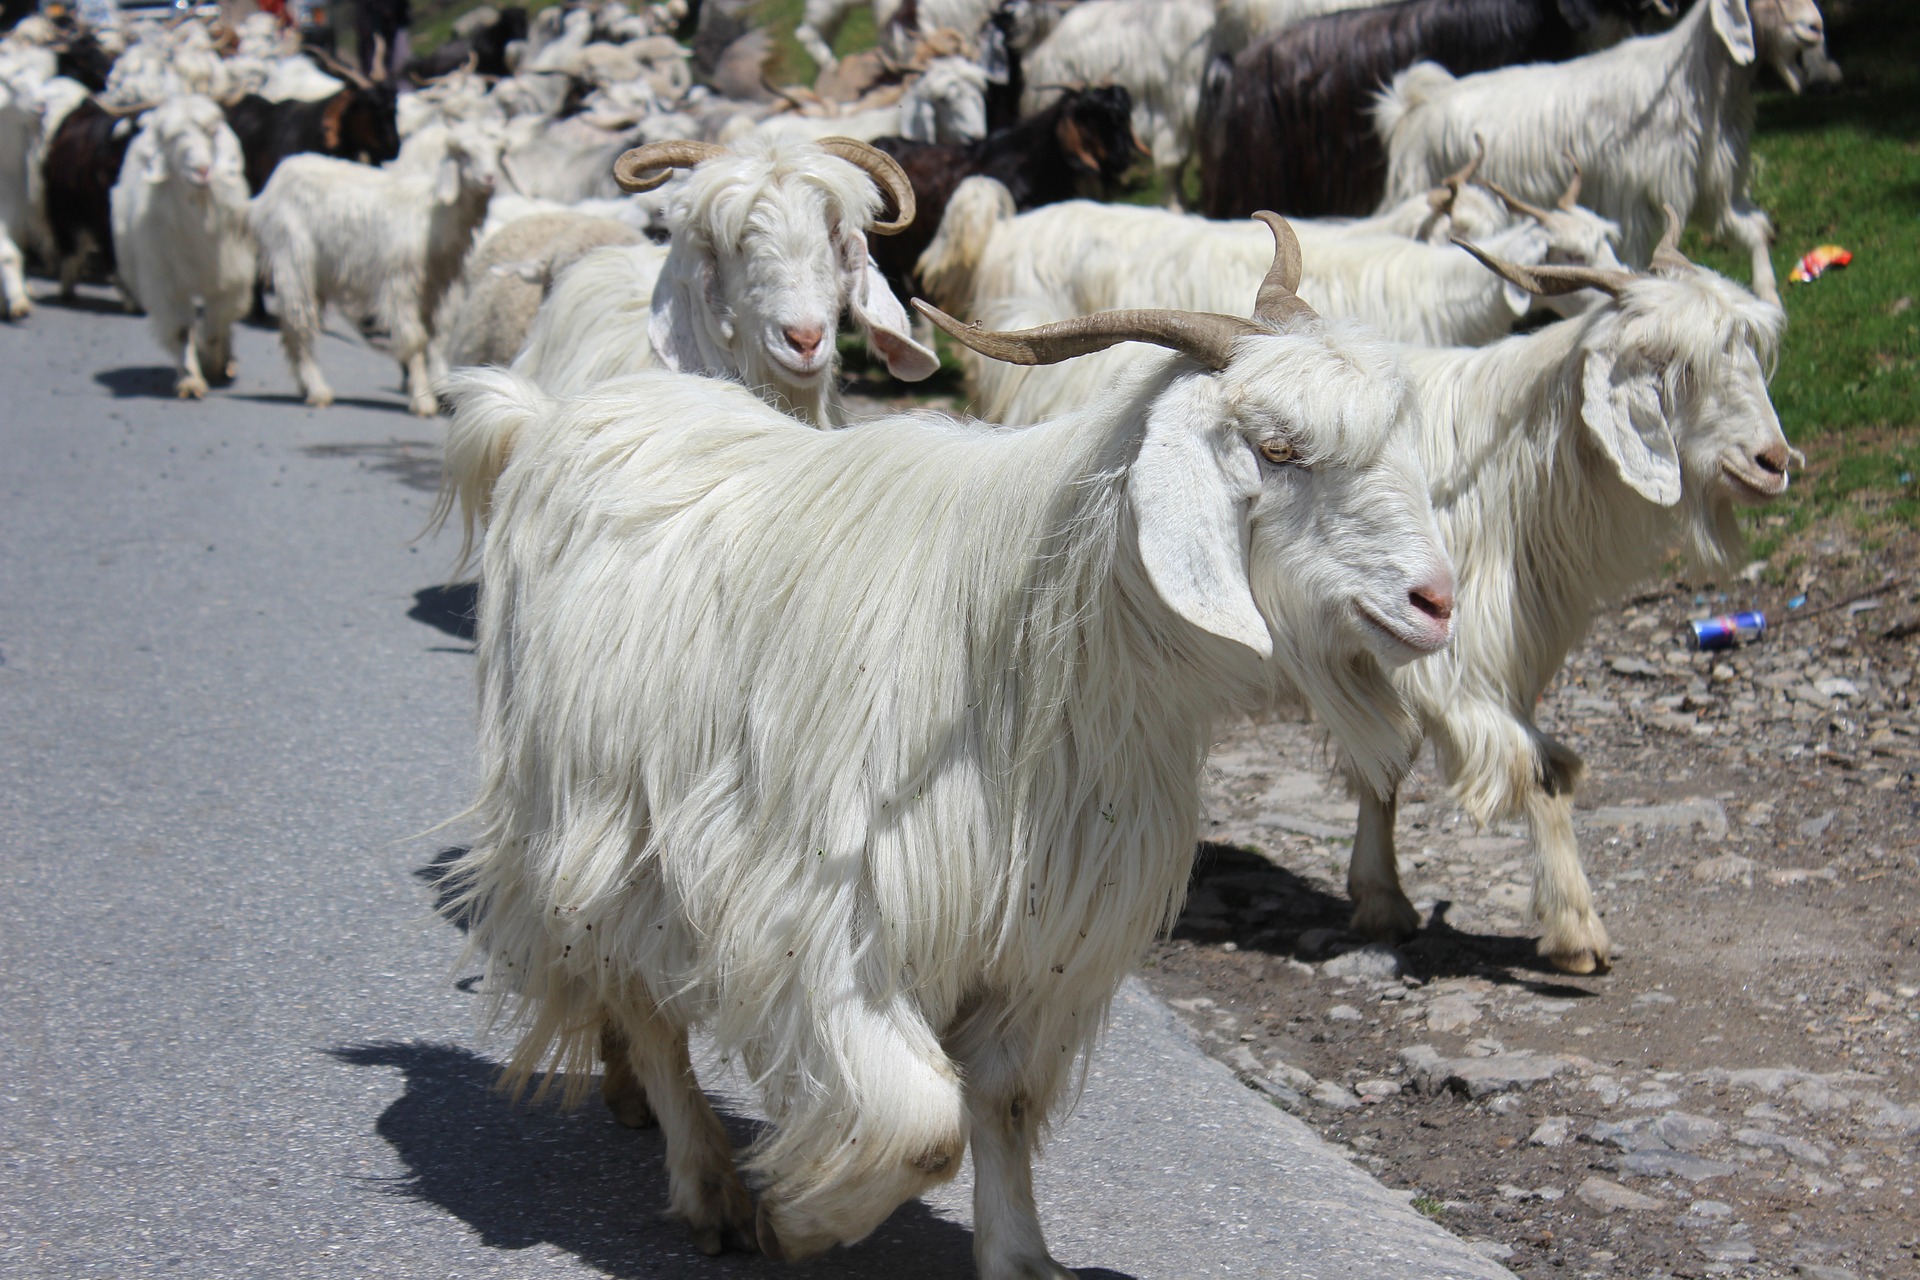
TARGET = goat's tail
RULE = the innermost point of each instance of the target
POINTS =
(492, 410)
(1413, 87)
(978, 206)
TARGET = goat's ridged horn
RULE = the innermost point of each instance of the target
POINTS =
(1515, 204)
(1441, 198)
(1666, 254)
(1207, 338)
(886, 174)
(1570, 198)
(1547, 281)
(1278, 303)
(646, 167)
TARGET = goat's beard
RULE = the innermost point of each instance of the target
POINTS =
(1329, 672)
(811, 401)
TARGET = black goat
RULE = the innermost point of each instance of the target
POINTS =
(1084, 139)
(1287, 125)
(356, 123)
(82, 164)
(79, 57)
(487, 47)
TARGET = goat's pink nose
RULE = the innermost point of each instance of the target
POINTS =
(1435, 599)
(1773, 460)
(805, 339)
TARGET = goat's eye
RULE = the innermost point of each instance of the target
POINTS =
(1277, 451)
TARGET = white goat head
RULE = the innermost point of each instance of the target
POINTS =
(1674, 387)
(947, 103)
(469, 165)
(194, 145)
(1276, 492)
(769, 247)
(1792, 39)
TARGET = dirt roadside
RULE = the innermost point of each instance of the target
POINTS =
(1740, 1095)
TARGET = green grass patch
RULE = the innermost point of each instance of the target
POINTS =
(1431, 1206)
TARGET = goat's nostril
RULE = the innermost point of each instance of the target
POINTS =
(1435, 602)
(804, 339)
(1773, 460)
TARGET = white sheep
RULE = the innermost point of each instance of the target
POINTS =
(768, 250)
(1156, 49)
(1662, 120)
(1076, 257)
(1565, 466)
(385, 243)
(180, 236)
(876, 753)
(509, 275)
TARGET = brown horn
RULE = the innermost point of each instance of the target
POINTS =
(338, 69)
(1549, 281)
(131, 109)
(646, 167)
(1278, 302)
(1570, 198)
(1441, 198)
(381, 51)
(1206, 338)
(886, 174)
(1516, 204)
(1666, 254)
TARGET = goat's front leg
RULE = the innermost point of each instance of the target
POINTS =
(1004, 1115)
(1381, 910)
(188, 383)
(1573, 937)
(1750, 226)
(13, 280)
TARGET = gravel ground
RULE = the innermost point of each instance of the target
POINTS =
(1739, 1095)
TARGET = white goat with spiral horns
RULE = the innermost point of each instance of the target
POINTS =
(876, 752)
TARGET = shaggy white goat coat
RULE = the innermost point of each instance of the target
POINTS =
(21, 226)
(876, 752)
(1661, 120)
(509, 275)
(1076, 258)
(386, 243)
(1565, 465)
(180, 236)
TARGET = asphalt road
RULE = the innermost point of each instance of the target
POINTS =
(234, 1041)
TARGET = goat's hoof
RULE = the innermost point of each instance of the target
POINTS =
(1577, 945)
(1383, 918)
(631, 1108)
(424, 408)
(1040, 1268)
(722, 1218)
(19, 310)
(191, 388)
(1578, 962)
(319, 399)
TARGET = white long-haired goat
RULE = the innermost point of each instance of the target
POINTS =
(180, 236)
(386, 243)
(1566, 465)
(22, 136)
(768, 249)
(1661, 120)
(1077, 257)
(876, 752)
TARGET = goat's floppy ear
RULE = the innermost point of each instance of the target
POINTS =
(1622, 409)
(684, 303)
(156, 170)
(1192, 489)
(1735, 25)
(446, 181)
(884, 322)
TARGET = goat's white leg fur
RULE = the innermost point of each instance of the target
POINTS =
(188, 384)
(13, 280)
(1573, 937)
(1381, 910)
(1005, 1114)
(1751, 228)
(703, 1189)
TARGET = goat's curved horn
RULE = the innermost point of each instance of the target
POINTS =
(1441, 198)
(646, 167)
(131, 109)
(1205, 337)
(1548, 281)
(333, 65)
(1516, 204)
(886, 174)
(1278, 303)
(1570, 198)
(1666, 254)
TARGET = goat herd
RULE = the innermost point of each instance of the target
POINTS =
(875, 752)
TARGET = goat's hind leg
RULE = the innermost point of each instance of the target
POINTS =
(703, 1188)
(620, 1088)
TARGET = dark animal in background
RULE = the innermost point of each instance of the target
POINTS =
(1084, 140)
(82, 164)
(487, 47)
(355, 124)
(1287, 125)
(79, 57)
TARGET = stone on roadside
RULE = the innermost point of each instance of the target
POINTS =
(1725, 869)
(1814, 1271)
(1673, 1164)
(1684, 1132)
(1376, 1088)
(1608, 1196)
(1479, 1078)
(1735, 1248)
(1814, 828)
(1554, 1131)
(1345, 1013)
(1765, 1139)
(1329, 1094)
(1451, 1013)
(1627, 666)
(1374, 963)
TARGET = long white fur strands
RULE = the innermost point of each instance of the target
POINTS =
(864, 747)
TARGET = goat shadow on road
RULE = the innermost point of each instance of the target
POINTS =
(1236, 895)
(524, 1174)
(138, 381)
(451, 607)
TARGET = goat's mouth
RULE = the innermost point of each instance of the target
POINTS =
(1752, 483)
(1403, 643)
(800, 369)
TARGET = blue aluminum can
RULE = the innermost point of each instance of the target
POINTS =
(1729, 630)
